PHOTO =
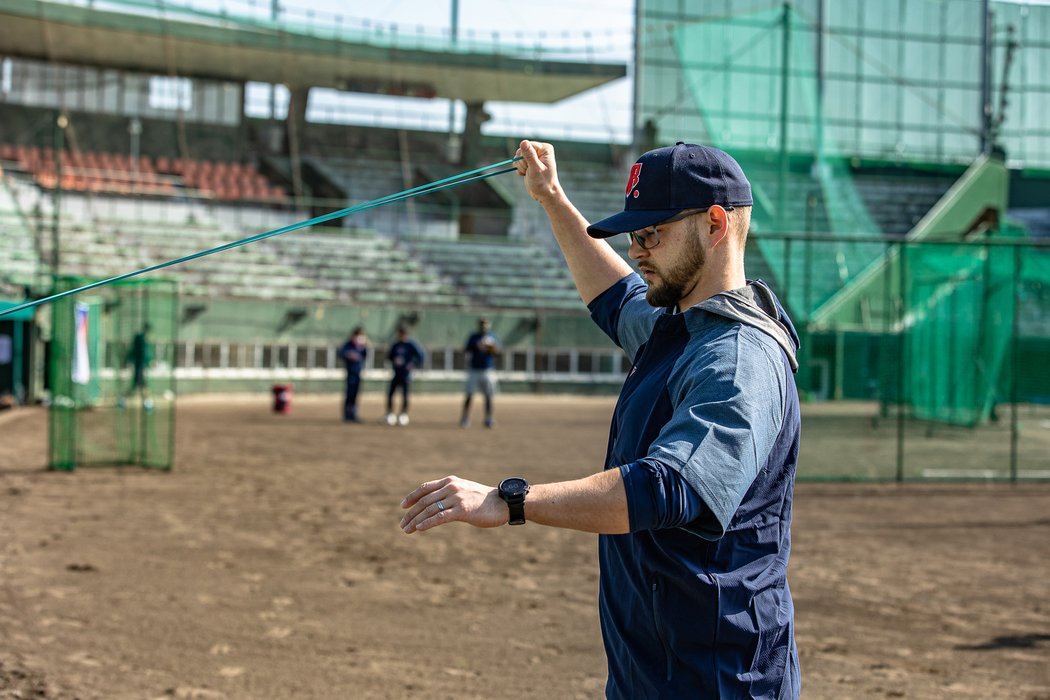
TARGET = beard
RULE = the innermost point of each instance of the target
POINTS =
(677, 280)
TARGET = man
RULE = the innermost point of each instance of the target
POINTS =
(404, 356)
(140, 357)
(693, 508)
(354, 352)
(482, 348)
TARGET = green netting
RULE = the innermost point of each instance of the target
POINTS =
(111, 372)
(957, 330)
(935, 321)
(760, 102)
(902, 79)
(944, 323)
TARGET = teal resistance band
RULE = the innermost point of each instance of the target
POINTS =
(448, 182)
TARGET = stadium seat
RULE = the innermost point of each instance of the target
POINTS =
(514, 275)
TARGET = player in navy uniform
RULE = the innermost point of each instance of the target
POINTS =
(354, 352)
(404, 355)
(482, 348)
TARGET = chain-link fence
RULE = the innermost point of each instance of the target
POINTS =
(929, 363)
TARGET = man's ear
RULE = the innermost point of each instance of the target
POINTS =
(719, 226)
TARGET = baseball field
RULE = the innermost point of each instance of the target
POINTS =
(269, 565)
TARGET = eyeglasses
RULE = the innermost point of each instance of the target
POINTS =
(648, 238)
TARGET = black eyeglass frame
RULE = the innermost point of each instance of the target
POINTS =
(643, 236)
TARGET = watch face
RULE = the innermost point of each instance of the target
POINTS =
(513, 486)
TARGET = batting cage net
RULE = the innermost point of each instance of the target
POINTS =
(111, 373)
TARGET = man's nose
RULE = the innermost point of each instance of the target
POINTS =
(635, 251)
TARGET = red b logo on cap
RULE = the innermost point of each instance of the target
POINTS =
(632, 180)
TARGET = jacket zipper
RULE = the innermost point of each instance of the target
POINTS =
(659, 633)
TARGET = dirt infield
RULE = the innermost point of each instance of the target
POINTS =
(269, 564)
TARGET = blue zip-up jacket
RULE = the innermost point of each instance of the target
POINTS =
(354, 367)
(694, 601)
(405, 356)
(479, 359)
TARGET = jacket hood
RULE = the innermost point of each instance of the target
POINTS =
(757, 306)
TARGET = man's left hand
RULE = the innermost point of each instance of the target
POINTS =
(453, 499)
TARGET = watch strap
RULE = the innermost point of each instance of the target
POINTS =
(517, 510)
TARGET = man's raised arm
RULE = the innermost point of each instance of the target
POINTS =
(594, 265)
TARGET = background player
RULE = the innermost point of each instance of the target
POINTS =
(140, 357)
(404, 356)
(354, 352)
(482, 348)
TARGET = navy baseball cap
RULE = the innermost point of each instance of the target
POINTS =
(666, 181)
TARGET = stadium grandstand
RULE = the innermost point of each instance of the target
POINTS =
(125, 141)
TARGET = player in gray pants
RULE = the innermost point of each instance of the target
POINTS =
(482, 348)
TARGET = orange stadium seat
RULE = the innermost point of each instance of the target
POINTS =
(96, 171)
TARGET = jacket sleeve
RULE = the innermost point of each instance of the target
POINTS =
(622, 312)
(728, 399)
(659, 498)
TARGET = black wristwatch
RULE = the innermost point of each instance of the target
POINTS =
(512, 490)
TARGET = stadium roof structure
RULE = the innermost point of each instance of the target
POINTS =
(169, 40)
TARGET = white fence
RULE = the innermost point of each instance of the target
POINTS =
(220, 360)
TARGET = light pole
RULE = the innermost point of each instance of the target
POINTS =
(61, 122)
(454, 40)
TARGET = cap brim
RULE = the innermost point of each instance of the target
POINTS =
(629, 221)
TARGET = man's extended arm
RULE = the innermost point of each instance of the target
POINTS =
(594, 265)
(597, 503)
